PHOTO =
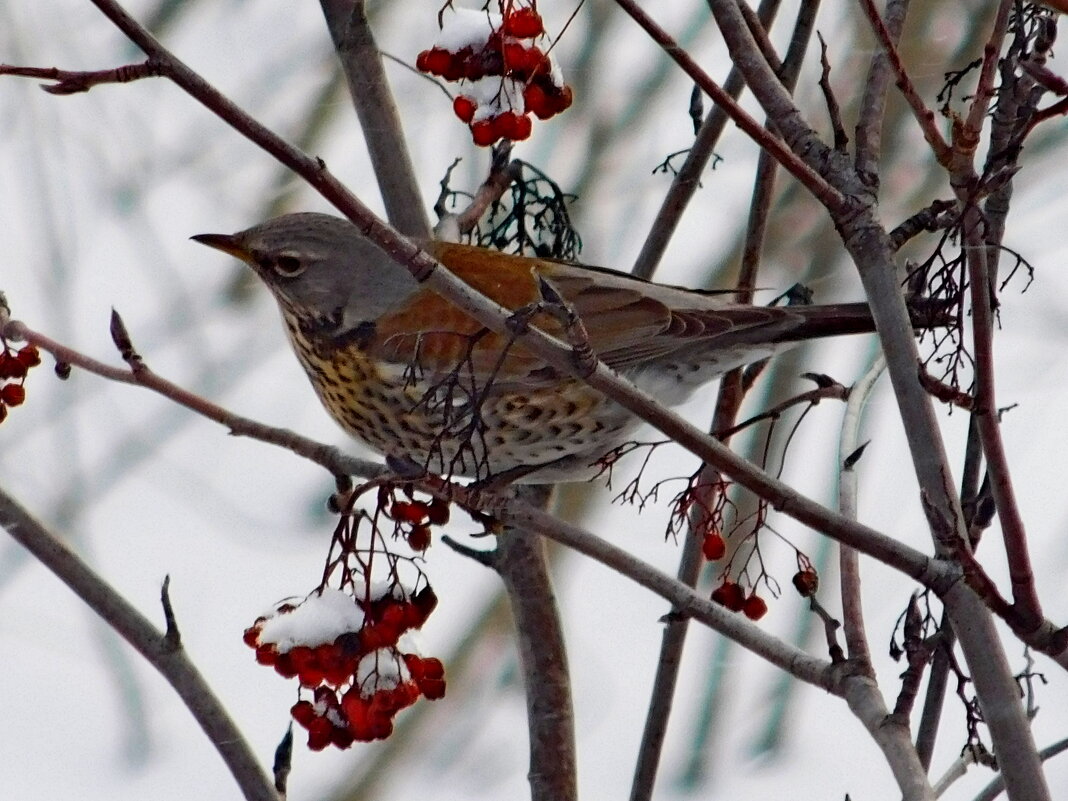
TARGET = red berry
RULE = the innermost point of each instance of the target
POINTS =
(424, 602)
(266, 654)
(523, 23)
(806, 582)
(459, 65)
(3, 412)
(484, 133)
(432, 668)
(341, 737)
(29, 356)
(464, 108)
(405, 512)
(432, 689)
(714, 546)
(730, 595)
(419, 538)
(381, 727)
(514, 126)
(284, 666)
(11, 366)
(536, 62)
(754, 607)
(515, 56)
(438, 512)
(320, 734)
(564, 98)
(13, 394)
(536, 101)
(303, 713)
(355, 706)
(251, 636)
(373, 637)
(394, 618)
(436, 61)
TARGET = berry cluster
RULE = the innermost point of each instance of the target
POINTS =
(14, 365)
(354, 656)
(506, 77)
(418, 517)
(365, 711)
(731, 595)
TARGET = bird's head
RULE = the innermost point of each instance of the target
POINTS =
(320, 268)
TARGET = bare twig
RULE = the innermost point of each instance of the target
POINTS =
(68, 82)
(841, 139)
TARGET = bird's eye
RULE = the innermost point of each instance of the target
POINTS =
(288, 266)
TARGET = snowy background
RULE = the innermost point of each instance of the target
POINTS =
(99, 194)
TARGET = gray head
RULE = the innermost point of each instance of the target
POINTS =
(320, 267)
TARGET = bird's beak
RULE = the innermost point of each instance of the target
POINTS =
(227, 243)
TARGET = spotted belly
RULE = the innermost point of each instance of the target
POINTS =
(453, 426)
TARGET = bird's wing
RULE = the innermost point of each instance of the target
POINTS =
(630, 322)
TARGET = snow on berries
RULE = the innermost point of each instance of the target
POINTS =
(352, 650)
(505, 78)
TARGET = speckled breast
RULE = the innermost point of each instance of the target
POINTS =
(451, 425)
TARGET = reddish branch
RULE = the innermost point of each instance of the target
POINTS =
(925, 118)
(1026, 605)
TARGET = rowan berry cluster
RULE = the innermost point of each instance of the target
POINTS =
(14, 365)
(354, 655)
(506, 78)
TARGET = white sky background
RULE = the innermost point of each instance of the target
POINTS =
(99, 193)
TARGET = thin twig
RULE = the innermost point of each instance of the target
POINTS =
(834, 111)
(326, 456)
(69, 82)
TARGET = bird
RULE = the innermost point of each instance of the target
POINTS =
(408, 373)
